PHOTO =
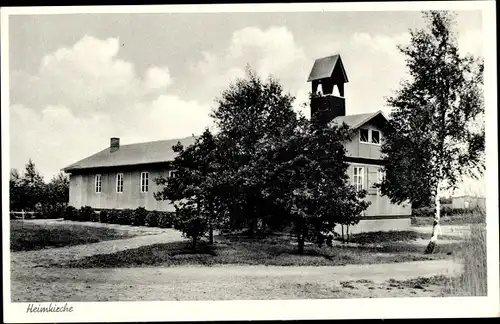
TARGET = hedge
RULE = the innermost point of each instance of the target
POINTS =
(70, 213)
(139, 216)
(135, 217)
(85, 214)
(445, 211)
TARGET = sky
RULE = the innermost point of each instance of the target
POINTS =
(78, 79)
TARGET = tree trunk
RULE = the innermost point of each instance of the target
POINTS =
(253, 225)
(436, 228)
(300, 242)
(300, 237)
(211, 234)
(195, 239)
(343, 233)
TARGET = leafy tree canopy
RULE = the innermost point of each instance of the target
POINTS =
(435, 136)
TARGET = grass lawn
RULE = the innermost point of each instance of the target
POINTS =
(272, 250)
(460, 219)
(27, 236)
(394, 236)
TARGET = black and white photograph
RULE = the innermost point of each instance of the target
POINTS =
(287, 161)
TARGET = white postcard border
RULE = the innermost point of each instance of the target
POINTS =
(275, 309)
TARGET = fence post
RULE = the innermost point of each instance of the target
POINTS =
(22, 214)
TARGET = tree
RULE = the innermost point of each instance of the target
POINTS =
(26, 191)
(57, 192)
(32, 187)
(15, 190)
(196, 189)
(250, 112)
(433, 138)
(309, 180)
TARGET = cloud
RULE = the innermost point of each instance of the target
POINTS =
(167, 117)
(471, 42)
(272, 51)
(54, 137)
(87, 78)
(374, 67)
(157, 78)
(381, 44)
(84, 94)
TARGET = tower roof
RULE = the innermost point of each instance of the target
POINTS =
(325, 68)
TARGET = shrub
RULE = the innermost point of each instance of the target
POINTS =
(165, 220)
(140, 215)
(446, 210)
(86, 214)
(49, 212)
(152, 218)
(55, 213)
(113, 216)
(70, 213)
(126, 217)
(38, 214)
(94, 217)
(103, 216)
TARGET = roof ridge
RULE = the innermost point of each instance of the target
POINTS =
(134, 153)
(156, 141)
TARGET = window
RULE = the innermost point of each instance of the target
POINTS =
(370, 136)
(375, 137)
(98, 183)
(172, 174)
(363, 135)
(119, 182)
(144, 181)
(359, 178)
(381, 177)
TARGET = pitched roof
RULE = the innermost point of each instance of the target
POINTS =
(132, 154)
(161, 151)
(323, 68)
(355, 121)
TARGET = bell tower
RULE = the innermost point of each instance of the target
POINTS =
(327, 75)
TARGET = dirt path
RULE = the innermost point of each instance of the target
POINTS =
(25, 259)
(30, 283)
(458, 231)
(223, 282)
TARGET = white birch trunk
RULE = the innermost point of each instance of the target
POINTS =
(436, 228)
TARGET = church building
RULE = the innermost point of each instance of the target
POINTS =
(122, 176)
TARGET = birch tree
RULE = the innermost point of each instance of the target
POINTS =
(435, 136)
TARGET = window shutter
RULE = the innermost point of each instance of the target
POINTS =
(372, 179)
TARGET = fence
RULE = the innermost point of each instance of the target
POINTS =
(22, 214)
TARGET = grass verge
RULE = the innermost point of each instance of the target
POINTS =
(27, 236)
(473, 281)
(471, 253)
(394, 236)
